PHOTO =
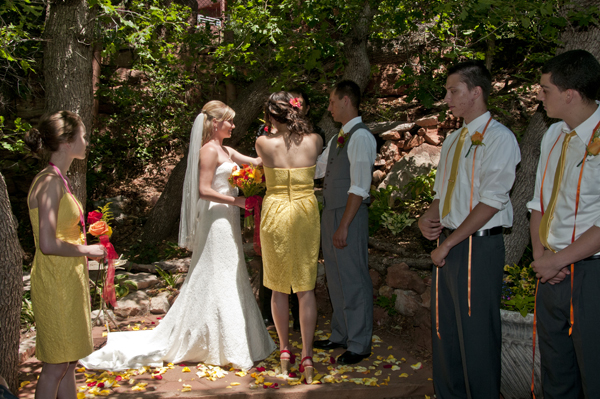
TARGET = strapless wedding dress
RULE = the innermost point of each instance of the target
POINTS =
(215, 319)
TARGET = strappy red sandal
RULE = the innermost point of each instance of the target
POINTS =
(308, 371)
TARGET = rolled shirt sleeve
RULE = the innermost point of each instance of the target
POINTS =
(362, 151)
(498, 171)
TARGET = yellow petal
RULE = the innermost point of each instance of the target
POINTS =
(390, 347)
(81, 395)
(234, 384)
(80, 370)
(395, 368)
(186, 370)
(403, 375)
(24, 383)
(417, 366)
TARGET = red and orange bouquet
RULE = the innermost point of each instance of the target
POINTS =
(99, 228)
(250, 180)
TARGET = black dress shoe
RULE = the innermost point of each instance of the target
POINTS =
(327, 344)
(349, 357)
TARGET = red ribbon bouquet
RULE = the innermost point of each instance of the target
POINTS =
(99, 227)
(250, 180)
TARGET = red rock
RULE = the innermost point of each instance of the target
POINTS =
(405, 127)
(390, 135)
(406, 136)
(432, 137)
(427, 121)
(422, 131)
(405, 279)
(386, 291)
(389, 150)
(375, 278)
(380, 316)
(379, 161)
(406, 302)
(414, 142)
(426, 298)
(400, 266)
(378, 176)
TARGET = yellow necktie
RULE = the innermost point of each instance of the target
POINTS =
(558, 175)
(454, 171)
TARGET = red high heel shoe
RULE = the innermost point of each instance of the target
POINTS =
(308, 370)
(285, 363)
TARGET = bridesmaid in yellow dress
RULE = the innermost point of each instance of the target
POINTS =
(289, 230)
(59, 277)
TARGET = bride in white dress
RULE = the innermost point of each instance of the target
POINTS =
(215, 319)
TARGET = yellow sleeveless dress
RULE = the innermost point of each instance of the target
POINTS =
(290, 230)
(60, 292)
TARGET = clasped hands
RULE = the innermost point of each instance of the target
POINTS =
(547, 270)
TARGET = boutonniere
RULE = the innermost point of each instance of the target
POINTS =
(592, 149)
(341, 140)
(476, 140)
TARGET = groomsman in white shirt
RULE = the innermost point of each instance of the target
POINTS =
(565, 228)
(470, 208)
(347, 166)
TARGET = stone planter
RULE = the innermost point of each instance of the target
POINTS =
(517, 356)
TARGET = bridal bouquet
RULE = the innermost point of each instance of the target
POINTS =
(250, 180)
(99, 228)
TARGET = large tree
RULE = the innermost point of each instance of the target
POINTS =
(68, 72)
(11, 286)
(579, 34)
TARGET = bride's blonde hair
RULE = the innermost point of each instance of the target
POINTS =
(218, 111)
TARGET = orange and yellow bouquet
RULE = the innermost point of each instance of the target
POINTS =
(250, 180)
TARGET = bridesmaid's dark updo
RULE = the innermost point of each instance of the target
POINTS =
(53, 130)
(279, 107)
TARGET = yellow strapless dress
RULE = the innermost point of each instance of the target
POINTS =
(60, 292)
(290, 230)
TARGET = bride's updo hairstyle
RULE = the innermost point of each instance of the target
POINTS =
(217, 110)
(52, 131)
(280, 107)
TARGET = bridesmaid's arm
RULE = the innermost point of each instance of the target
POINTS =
(208, 165)
(49, 193)
(243, 159)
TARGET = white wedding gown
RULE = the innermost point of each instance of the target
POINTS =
(215, 319)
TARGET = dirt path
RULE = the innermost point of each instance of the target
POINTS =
(388, 370)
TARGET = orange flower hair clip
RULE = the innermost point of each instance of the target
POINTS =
(295, 102)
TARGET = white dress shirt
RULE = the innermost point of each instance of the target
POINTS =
(494, 175)
(362, 151)
(588, 212)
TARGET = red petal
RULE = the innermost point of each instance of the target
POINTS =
(101, 385)
(331, 359)
(92, 384)
(157, 377)
(119, 378)
(260, 369)
(387, 366)
(292, 375)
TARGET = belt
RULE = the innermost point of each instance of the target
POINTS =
(481, 233)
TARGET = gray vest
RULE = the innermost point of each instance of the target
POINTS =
(337, 176)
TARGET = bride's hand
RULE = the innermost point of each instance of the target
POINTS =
(240, 201)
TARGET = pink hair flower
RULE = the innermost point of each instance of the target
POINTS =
(295, 102)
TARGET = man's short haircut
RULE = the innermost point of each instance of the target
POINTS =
(348, 88)
(576, 70)
(474, 73)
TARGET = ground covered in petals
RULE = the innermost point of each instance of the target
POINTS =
(391, 368)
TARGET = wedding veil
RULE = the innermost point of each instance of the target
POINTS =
(191, 194)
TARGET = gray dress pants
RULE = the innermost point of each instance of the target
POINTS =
(348, 280)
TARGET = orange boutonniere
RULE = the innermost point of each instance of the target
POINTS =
(592, 149)
(476, 140)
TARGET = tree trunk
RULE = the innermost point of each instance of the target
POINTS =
(163, 221)
(359, 66)
(522, 192)
(574, 37)
(247, 106)
(11, 286)
(68, 54)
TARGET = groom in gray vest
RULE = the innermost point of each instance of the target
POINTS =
(347, 166)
